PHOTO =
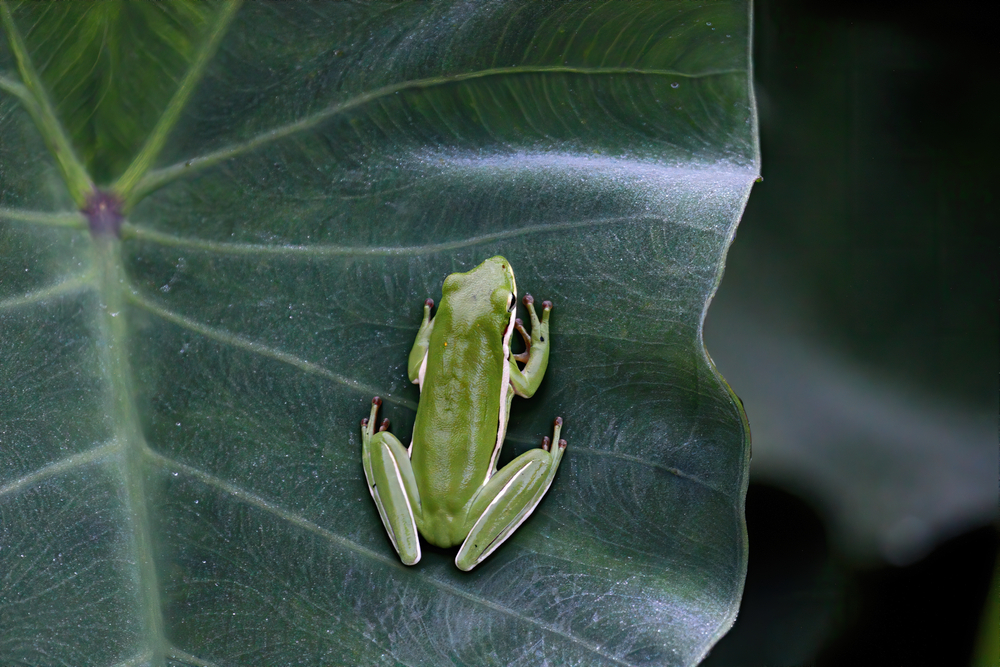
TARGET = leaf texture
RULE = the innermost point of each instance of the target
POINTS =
(180, 477)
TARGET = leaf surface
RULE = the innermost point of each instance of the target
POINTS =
(181, 479)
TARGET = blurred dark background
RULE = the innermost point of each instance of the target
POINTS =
(857, 320)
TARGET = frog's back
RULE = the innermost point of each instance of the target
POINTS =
(462, 394)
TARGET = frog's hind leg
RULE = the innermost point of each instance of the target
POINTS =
(509, 498)
(392, 485)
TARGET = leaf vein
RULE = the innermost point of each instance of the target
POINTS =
(676, 472)
(158, 178)
(158, 137)
(73, 220)
(67, 286)
(263, 350)
(62, 465)
(141, 233)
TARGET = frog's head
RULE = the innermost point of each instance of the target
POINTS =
(489, 288)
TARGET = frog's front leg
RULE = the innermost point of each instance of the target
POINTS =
(536, 355)
(392, 485)
(509, 498)
(418, 353)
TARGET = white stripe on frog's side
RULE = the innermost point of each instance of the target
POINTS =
(423, 371)
(504, 388)
(420, 384)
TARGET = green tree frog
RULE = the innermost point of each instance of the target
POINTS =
(446, 484)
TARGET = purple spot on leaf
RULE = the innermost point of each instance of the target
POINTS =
(104, 213)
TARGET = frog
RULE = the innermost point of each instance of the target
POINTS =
(446, 485)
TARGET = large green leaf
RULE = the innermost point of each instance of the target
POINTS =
(181, 478)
